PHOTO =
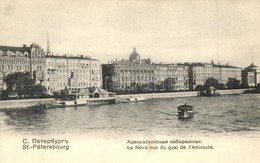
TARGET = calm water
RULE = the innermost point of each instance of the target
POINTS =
(225, 115)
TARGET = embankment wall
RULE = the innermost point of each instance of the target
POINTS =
(7, 104)
(178, 94)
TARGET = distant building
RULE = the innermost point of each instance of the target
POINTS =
(22, 59)
(71, 72)
(55, 72)
(126, 74)
(200, 72)
(228, 71)
(251, 76)
(119, 75)
(177, 73)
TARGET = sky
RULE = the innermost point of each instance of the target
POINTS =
(225, 31)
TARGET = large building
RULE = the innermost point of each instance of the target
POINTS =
(22, 59)
(200, 72)
(71, 72)
(251, 76)
(178, 74)
(56, 72)
(126, 74)
(119, 75)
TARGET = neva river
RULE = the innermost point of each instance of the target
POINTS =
(223, 115)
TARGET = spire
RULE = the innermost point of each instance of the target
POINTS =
(252, 56)
(134, 49)
(48, 44)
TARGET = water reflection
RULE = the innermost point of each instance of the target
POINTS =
(27, 120)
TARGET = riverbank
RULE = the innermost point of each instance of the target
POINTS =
(178, 94)
(27, 103)
(24, 103)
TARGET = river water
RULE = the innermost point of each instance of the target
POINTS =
(223, 115)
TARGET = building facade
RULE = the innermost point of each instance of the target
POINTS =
(120, 75)
(200, 72)
(55, 72)
(71, 72)
(127, 74)
(228, 71)
(251, 76)
(177, 73)
(22, 59)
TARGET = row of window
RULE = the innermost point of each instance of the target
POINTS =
(94, 71)
(27, 61)
(13, 67)
(134, 71)
(72, 64)
(66, 84)
(68, 76)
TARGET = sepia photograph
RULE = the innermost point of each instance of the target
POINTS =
(107, 81)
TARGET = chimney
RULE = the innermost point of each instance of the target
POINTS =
(24, 46)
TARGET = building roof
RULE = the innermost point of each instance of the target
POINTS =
(69, 57)
(129, 63)
(4, 49)
(91, 90)
(227, 66)
(252, 66)
(214, 65)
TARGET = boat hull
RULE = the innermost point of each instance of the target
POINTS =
(185, 114)
(100, 101)
(74, 103)
(185, 111)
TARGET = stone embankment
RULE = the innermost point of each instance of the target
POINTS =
(160, 95)
(28, 103)
(179, 94)
(25, 103)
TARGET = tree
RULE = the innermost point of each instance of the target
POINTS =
(199, 88)
(19, 82)
(39, 90)
(22, 84)
(233, 83)
(211, 82)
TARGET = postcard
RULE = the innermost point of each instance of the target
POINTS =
(129, 81)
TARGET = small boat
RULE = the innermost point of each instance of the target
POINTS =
(185, 111)
(136, 99)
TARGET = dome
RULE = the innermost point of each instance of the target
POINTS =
(134, 57)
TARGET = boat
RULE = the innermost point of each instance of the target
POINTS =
(211, 91)
(185, 111)
(87, 96)
(136, 99)
(98, 96)
(74, 99)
